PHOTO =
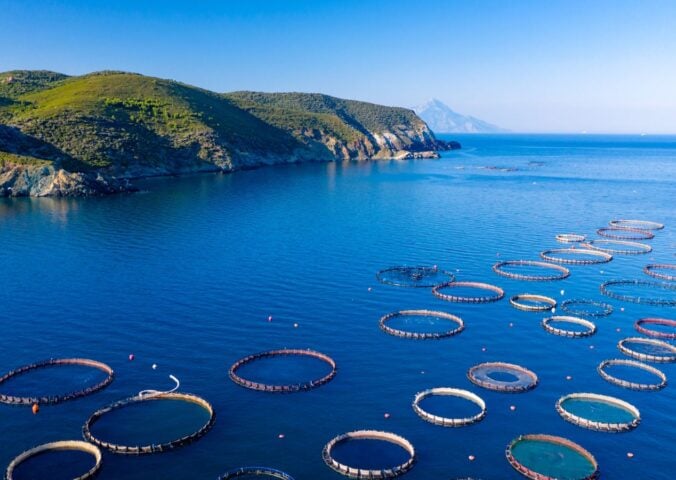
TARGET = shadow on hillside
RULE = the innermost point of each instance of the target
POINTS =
(13, 140)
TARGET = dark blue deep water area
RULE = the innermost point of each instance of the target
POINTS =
(186, 273)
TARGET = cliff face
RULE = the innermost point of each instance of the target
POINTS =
(93, 134)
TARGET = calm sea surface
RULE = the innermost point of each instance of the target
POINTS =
(185, 274)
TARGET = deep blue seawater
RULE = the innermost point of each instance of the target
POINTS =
(185, 274)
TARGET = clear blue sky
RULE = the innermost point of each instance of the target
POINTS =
(555, 66)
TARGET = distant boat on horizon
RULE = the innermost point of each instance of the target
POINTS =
(442, 119)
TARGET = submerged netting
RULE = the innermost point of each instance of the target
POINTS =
(420, 276)
(561, 272)
(581, 307)
(625, 233)
(568, 256)
(502, 377)
(498, 292)
(61, 446)
(648, 349)
(656, 270)
(152, 447)
(54, 399)
(640, 224)
(283, 388)
(618, 247)
(641, 326)
(668, 288)
(457, 325)
(570, 238)
(369, 473)
(547, 457)
(532, 303)
(577, 327)
(266, 472)
(598, 412)
(448, 421)
(632, 385)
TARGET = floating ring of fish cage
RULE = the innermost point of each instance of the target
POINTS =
(564, 443)
(414, 276)
(481, 375)
(650, 270)
(625, 233)
(640, 224)
(598, 425)
(360, 473)
(605, 309)
(597, 256)
(636, 299)
(540, 303)
(155, 447)
(590, 328)
(639, 248)
(563, 272)
(665, 322)
(460, 325)
(54, 399)
(63, 445)
(648, 357)
(447, 421)
(287, 388)
(255, 472)
(626, 383)
(570, 238)
(499, 292)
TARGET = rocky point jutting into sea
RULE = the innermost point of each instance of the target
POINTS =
(94, 134)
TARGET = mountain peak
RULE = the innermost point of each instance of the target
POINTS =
(441, 119)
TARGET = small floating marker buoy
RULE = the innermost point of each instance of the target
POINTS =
(154, 366)
(35, 408)
(497, 254)
(553, 309)
(483, 349)
(617, 329)
(422, 372)
(621, 309)
(280, 436)
(568, 377)
(630, 455)
(591, 347)
(131, 357)
(270, 318)
(471, 458)
(512, 407)
(601, 271)
(295, 325)
(563, 292)
(369, 289)
(511, 324)
(387, 415)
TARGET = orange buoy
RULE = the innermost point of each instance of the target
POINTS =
(35, 408)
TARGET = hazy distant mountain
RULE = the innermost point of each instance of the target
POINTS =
(441, 119)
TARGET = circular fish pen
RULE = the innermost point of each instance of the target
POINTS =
(54, 399)
(639, 224)
(589, 327)
(608, 414)
(498, 292)
(667, 287)
(361, 473)
(458, 324)
(620, 382)
(255, 472)
(625, 233)
(570, 238)
(593, 256)
(579, 307)
(660, 352)
(532, 303)
(64, 445)
(650, 270)
(511, 378)
(562, 272)
(414, 277)
(153, 447)
(640, 327)
(616, 247)
(447, 421)
(547, 457)
(283, 388)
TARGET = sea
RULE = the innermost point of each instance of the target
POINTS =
(191, 274)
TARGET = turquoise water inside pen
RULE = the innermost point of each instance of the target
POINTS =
(185, 274)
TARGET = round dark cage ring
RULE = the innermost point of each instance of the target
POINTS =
(640, 326)
(360, 473)
(625, 233)
(562, 272)
(593, 256)
(413, 277)
(54, 399)
(286, 388)
(617, 247)
(603, 309)
(64, 445)
(498, 292)
(152, 448)
(653, 270)
(255, 472)
(458, 324)
(638, 299)
(620, 382)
